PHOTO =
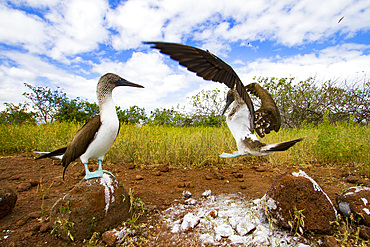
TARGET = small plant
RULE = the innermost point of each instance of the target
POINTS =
(41, 192)
(136, 208)
(63, 223)
(297, 222)
(347, 232)
(92, 223)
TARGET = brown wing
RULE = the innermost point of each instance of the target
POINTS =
(81, 141)
(205, 65)
(267, 117)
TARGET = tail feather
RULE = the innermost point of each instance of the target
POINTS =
(57, 152)
(282, 146)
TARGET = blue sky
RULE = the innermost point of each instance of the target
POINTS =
(71, 43)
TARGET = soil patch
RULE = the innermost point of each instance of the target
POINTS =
(159, 188)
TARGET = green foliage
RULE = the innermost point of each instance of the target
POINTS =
(199, 146)
(306, 101)
(17, 114)
(76, 110)
(29, 137)
(167, 117)
(133, 115)
(45, 101)
(342, 142)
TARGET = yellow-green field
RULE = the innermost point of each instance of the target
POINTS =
(200, 146)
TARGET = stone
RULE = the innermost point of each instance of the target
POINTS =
(113, 236)
(45, 227)
(297, 194)
(8, 198)
(131, 166)
(23, 186)
(110, 237)
(353, 179)
(93, 205)
(139, 177)
(356, 200)
(164, 168)
(365, 232)
(34, 215)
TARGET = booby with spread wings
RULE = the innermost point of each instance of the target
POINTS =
(242, 120)
(95, 138)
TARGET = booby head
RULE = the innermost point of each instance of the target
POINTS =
(233, 96)
(108, 82)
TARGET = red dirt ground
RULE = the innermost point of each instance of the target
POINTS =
(158, 189)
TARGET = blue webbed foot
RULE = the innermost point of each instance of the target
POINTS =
(95, 174)
(233, 155)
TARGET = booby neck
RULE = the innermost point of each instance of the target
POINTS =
(105, 100)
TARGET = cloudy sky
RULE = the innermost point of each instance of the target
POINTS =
(71, 43)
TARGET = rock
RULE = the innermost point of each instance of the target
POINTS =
(214, 213)
(330, 241)
(190, 201)
(365, 232)
(164, 168)
(186, 194)
(45, 227)
(189, 222)
(139, 177)
(353, 179)
(110, 237)
(92, 205)
(34, 182)
(23, 186)
(295, 194)
(34, 215)
(238, 175)
(8, 198)
(131, 166)
(356, 200)
(260, 168)
(207, 193)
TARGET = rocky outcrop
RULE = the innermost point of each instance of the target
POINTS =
(356, 200)
(93, 205)
(8, 198)
(297, 202)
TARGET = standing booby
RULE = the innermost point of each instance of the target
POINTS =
(95, 138)
(242, 120)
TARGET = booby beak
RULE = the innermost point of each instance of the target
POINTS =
(124, 82)
(229, 100)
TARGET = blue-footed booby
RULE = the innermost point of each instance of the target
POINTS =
(95, 138)
(242, 120)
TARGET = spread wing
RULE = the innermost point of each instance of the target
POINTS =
(267, 117)
(81, 141)
(205, 65)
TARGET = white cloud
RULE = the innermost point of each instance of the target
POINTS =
(64, 42)
(344, 62)
(22, 29)
(77, 26)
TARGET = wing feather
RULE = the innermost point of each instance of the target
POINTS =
(205, 65)
(81, 141)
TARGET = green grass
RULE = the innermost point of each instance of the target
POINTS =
(200, 146)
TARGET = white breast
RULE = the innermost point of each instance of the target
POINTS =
(239, 124)
(106, 134)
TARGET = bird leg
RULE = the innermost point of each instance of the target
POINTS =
(101, 169)
(95, 174)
